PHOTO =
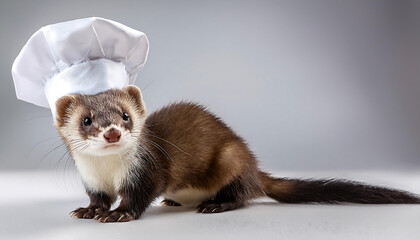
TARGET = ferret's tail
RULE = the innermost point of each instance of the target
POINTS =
(331, 191)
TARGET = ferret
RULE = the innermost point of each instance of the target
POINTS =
(181, 152)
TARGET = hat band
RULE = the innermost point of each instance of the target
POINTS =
(89, 78)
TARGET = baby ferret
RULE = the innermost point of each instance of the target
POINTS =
(181, 152)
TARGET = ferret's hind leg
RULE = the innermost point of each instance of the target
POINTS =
(169, 202)
(232, 196)
(215, 206)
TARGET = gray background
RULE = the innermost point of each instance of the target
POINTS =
(309, 84)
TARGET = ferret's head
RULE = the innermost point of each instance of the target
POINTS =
(103, 124)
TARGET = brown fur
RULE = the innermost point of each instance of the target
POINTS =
(206, 154)
(183, 146)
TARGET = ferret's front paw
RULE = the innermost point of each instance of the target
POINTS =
(114, 216)
(88, 213)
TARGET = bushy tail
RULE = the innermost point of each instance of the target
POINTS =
(331, 191)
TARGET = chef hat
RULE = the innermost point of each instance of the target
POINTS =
(84, 56)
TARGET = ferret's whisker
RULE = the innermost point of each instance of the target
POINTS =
(163, 151)
(59, 160)
(154, 135)
(149, 155)
(50, 152)
(41, 142)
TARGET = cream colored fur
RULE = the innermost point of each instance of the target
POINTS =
(104, 169)
(189, 197)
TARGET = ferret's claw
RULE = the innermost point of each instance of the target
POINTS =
(114, 216)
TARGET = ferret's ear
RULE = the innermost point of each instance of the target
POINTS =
(61, 106)
(135, 93)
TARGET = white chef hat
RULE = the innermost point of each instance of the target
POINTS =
(84, 56)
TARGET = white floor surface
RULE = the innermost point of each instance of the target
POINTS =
(35, 205)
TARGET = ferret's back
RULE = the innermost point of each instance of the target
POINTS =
(186, 118)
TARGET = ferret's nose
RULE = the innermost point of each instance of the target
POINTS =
(112, 135)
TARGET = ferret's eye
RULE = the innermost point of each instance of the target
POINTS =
(87, 121)
(125, 116)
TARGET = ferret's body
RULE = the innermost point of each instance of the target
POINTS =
(200, 154)
(188, 165)
(181, 152)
